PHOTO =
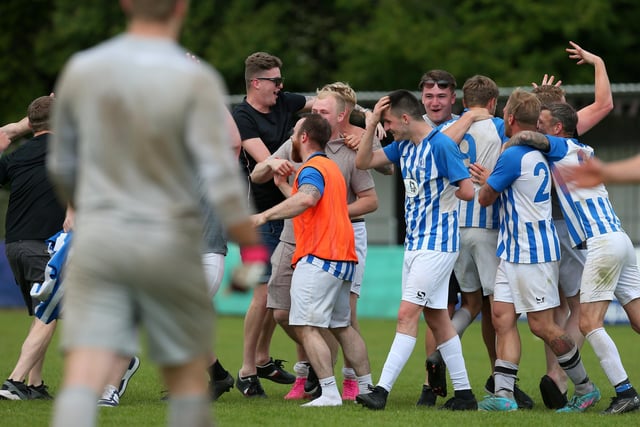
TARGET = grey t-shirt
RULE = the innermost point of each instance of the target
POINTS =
(357, 180)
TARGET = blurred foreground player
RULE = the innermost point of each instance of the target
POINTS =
(141, 140)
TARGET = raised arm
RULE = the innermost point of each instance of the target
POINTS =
(17, 129)
(4, 141)
(384, 169)
(367, 158)
(593, 113)
(353, 141)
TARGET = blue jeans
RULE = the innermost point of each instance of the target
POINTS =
(270, 237)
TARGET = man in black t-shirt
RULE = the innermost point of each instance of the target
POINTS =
(265, 119)
(33, 215)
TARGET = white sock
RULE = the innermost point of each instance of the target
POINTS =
(330, 394)
(461, 320)
(607, 352)
(401, 349)
(363, 383)
(348, 373)
(451, 352)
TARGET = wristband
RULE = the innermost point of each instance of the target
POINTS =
(254, 253)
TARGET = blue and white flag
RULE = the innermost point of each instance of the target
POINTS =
(50, 291)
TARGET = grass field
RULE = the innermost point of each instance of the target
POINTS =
(141, 406)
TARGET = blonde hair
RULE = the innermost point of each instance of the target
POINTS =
(341, 104)
(524, 106)
(345, 92)
(548, 94)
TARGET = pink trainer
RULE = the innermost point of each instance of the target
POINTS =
(350, 389)
(297, 391)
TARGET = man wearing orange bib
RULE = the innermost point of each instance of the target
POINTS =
(324, 260)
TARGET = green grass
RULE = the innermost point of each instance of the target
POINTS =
(141, 405)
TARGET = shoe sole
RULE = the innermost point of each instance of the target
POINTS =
(552, 397)
(7, 395)
(304, 396)
(107, 404)
(124, 383)
(457, 408)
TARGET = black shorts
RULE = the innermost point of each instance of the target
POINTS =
(28, 260)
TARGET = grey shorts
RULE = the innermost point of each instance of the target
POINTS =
(571, 261)
(477, 262)
(120, 278)
(318, 298)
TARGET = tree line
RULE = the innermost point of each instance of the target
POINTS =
(372, 44)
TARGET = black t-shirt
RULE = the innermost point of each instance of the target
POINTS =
(273, 129)
(34, 212)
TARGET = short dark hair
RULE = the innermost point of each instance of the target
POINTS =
(478, 90)
(565, 114)
(438, 75)
(404, 102)
(39, 112)
(317, 129)
(258, 62)
(152, 10)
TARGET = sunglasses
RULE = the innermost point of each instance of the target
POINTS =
(276, 80)
(442, 84)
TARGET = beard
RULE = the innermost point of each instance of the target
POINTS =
(507, 130)
(295, 152)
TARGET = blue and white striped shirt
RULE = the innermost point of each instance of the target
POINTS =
(481, 144)
(341, 269)
(431, 207)
(527, 234)
(587, 211)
